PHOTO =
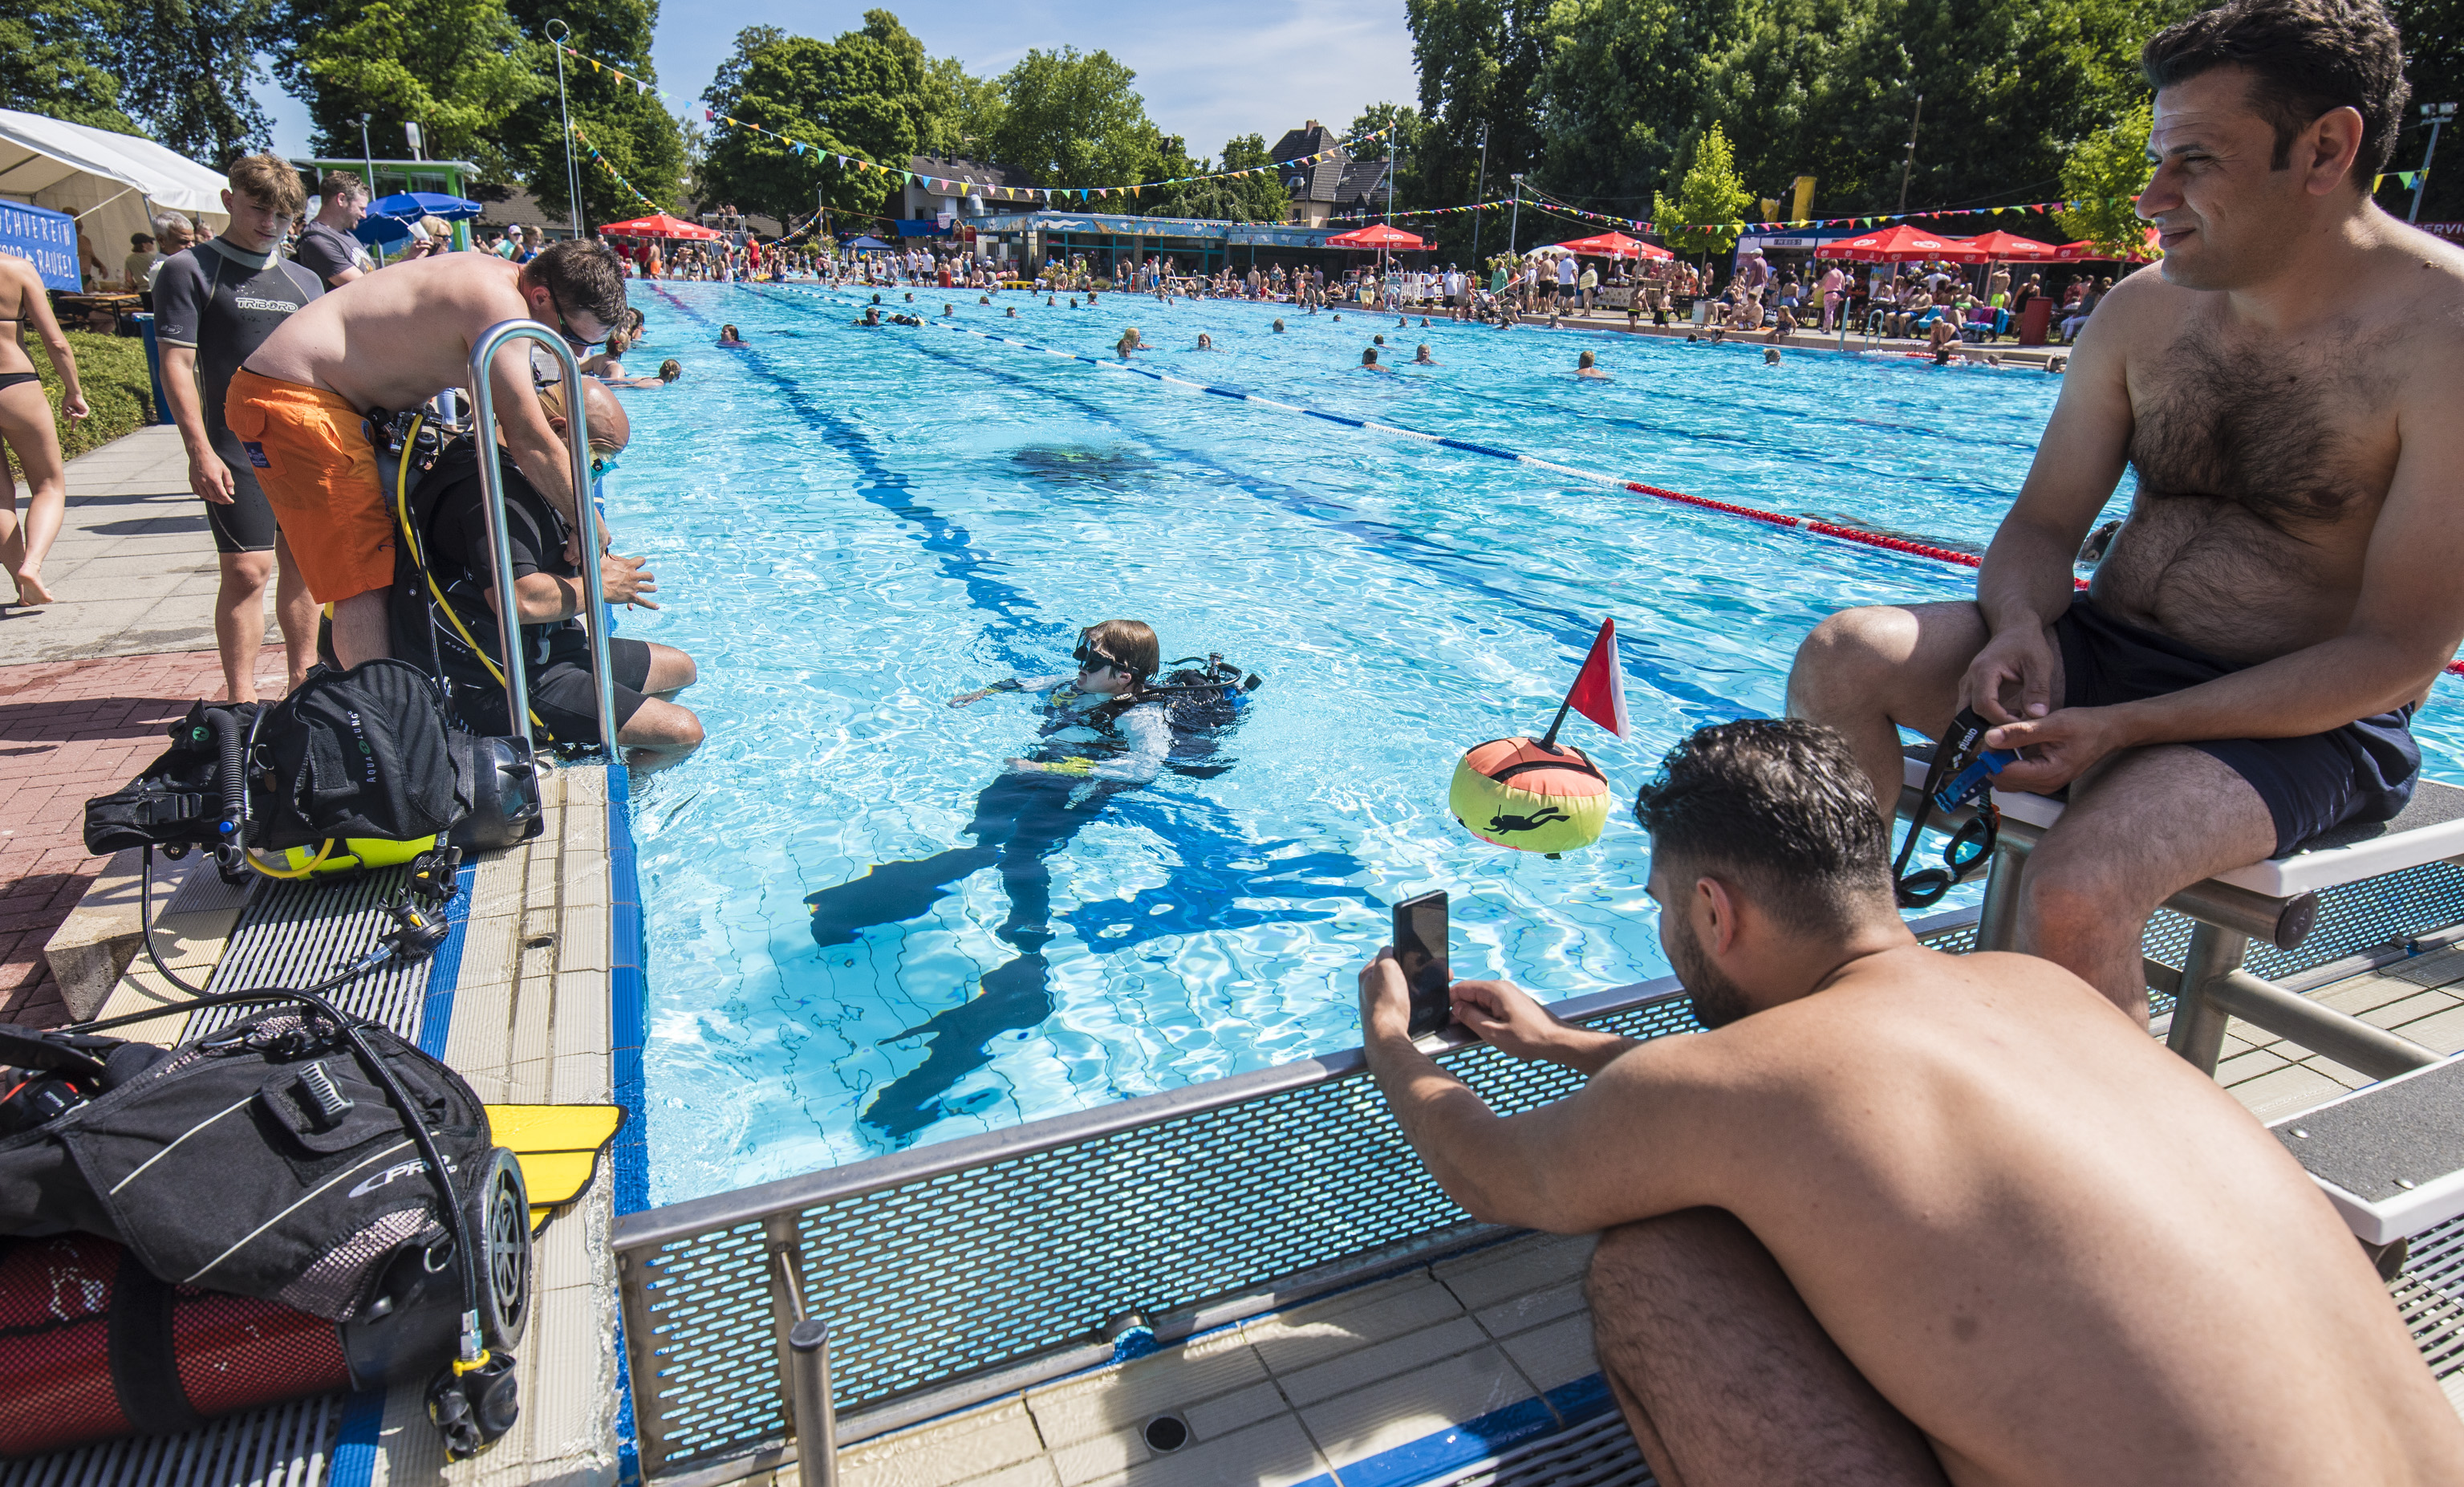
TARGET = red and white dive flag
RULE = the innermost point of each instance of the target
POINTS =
(1599, 687)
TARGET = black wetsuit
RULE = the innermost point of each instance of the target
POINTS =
(1022, 819)
(222, 302)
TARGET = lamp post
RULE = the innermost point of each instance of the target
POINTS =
(572, 177)
(1479, 194)
(1910, 163)
(368, 156)
(1514, 219)
(2437, 114)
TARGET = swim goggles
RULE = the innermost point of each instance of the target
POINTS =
(1089, 658)
(1961, 772)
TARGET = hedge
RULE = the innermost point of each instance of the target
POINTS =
(111, 371)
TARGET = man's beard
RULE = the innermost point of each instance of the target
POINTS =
(1715, 999)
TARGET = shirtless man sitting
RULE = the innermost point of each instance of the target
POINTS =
(384, 343)
(1909, 1217)
(2289, 386)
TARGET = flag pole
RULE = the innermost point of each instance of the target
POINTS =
(1549, 741)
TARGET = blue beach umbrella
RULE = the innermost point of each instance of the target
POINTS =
(411, 206)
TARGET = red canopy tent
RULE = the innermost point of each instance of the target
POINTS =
(1616, 245)
(1376, 235)
(1902, 244)
(2090, 252)
(2008, 246)
(657, 225)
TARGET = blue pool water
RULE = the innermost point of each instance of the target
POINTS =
(852, 525)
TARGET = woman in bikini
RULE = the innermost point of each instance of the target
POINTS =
(26, 424)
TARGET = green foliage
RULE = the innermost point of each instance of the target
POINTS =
(55, 60)
(1403, 122)
(1480, 63)
(1071, 118)
(2100, 168)
(1710, 191)
(2433, 47)
(457, 68)
(1247, 198)
(961, 113)
(111, 373)
(633, 131)
(1621, 94)
(185, 68)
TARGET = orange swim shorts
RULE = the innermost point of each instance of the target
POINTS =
(320, 475)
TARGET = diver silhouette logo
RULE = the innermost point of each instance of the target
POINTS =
(1530, 823)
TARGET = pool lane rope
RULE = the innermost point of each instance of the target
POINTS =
(1780, 519)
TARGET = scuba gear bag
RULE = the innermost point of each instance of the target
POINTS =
(358, 754)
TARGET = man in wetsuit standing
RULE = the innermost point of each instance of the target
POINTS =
(214, 305)
(2288, 385)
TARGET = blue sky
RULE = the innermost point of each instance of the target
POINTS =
(1208, 71)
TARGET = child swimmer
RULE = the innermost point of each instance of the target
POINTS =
(1116, 659)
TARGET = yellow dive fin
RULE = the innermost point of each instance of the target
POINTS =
(558, 1146)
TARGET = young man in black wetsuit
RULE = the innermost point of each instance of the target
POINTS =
(452, 512)
(213, 305)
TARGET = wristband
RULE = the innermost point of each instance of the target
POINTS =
(1069, 765)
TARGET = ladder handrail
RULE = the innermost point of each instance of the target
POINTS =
(577, 443)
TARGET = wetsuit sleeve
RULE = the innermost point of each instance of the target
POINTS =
(1150, 736)
(180, 293)
(1043, 683)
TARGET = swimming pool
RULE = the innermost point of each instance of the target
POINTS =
(852, 525)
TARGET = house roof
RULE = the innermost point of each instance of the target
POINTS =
(1307, 140)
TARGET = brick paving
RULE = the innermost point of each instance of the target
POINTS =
(70, 730)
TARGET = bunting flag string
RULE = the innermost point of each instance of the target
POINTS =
(1634, 224)
(1049, 195)
(611, 169)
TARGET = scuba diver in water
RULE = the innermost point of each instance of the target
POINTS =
(1110, 727)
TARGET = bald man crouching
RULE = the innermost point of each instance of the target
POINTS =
(1911, 1217)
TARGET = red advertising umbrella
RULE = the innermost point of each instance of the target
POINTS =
(1998, 244)
(1376, 235)
(1616, 245)
(1902, 244)
(2083, 249)
(657, 225)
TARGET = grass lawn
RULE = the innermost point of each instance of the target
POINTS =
(111, 371)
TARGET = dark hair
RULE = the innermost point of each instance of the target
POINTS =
(1781, 805)
(584, 276)
(341, 186)
(2305, 57)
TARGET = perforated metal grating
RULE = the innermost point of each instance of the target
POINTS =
(1597, 1452)
(282, 1446)
(296, 934)
(969, 1271)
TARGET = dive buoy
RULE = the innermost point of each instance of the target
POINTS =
(1516, 793)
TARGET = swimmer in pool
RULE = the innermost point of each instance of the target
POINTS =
(1424, 359)
(1278, 324)
(949, 310)
(1377, 340)
(1770, 356)
(1103, 732)
(668, 371)
(729, 338)
(983, 299)
(1011, 313)
(1369, 359)
(1205, 342)
(871, 316)
(1584, 368)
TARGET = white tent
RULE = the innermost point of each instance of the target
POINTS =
(111, 183)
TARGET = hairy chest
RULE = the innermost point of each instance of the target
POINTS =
(2294, 436)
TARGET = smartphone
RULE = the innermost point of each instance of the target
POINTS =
(1420, 947)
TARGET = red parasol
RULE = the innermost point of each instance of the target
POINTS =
(657, 225)
(1616, 245)
(1998, 244)
(1902, 244)
(1376, 235)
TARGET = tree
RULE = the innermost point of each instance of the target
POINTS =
(185, 68)
(635, 135)
(1709, 195)
(453, 67)
(1227, 198)
(1399, 125)
(1480, 63)
(2107, 171)
(962, 113)
(1071, 118)
(53, 61)
(2434, 46)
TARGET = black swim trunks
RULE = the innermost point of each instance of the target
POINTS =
(2362, 771)
(561, 693)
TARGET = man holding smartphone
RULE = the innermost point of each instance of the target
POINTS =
(1911, 1217)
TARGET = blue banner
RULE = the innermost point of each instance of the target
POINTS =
(919, 227)
(46, 237)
